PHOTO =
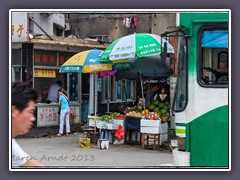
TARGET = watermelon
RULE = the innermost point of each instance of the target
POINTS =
(166, 103)
(156, 109)
(156, 103)
(165, 107)
(151, 107)
(163, 111)
(161, 105)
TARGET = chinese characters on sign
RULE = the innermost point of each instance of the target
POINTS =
(47, 116)
(74, 115)
(45, 59)
(49, 73)
(19, 27)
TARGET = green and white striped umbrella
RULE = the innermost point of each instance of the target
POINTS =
(135, 45)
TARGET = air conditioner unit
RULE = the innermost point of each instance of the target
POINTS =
(67, 27)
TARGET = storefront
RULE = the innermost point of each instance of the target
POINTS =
(38, 63)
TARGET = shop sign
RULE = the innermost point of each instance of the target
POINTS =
(48, 73)
(19, 27)
(45, 58)
(47, 116)
(74, 114)
(97, 68)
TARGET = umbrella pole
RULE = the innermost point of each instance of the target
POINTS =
(142, 94)
(141, 81)
(108, 96)
(95, 100)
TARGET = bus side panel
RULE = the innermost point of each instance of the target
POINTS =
(209, 139)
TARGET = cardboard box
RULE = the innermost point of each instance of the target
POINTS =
(153, 126)
(105, 125)
(174, 143)
(110, 126)
(117, 122)
(181, 143)
(101, 125)
(151, 123)
(91, 120)
(152, 130)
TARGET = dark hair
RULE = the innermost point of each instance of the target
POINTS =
(59, 83)
(22, 94)
(60, 90)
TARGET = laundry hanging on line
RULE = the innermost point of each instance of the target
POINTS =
(130, 22)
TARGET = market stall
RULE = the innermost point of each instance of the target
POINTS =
(138, 125)
(43, 75)
(151, 105)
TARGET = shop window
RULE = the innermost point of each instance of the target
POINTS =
(16, 73)
(16, 57)
(213, 57)
(42, 84)
(18, 67)
(73, 87)
(118, 91)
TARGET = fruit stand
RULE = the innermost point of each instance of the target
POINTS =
(107, 124)
(141, 126)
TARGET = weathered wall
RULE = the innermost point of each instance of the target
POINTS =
(46, 21)
(83, 25)
(163, 22)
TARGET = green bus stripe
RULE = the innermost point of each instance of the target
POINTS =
(180, 124)
(181, 131)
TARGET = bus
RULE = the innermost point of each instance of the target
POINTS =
(200, 103)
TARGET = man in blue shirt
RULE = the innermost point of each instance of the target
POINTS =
(53, 92)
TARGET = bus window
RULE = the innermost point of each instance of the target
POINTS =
(180, 97)
(213, 57)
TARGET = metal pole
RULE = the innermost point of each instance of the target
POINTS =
(41, 28)
(80, 97)
(108, 96)
(141, 81)
(95, 99)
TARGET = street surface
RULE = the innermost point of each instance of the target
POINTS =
(65, 151)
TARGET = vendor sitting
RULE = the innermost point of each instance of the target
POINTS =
(162, 96)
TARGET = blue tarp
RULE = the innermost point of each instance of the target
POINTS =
(215, 39)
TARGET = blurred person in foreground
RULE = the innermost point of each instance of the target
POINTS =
(23, 109)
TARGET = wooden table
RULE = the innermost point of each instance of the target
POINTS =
(146, 137)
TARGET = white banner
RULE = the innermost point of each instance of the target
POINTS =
(19, 27)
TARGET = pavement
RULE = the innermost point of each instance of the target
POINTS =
(65, 152)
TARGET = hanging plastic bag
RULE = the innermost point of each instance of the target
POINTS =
(119, 134)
